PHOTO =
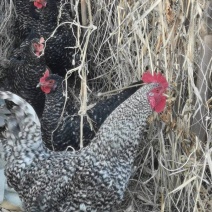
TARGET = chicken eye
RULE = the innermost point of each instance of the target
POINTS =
(157, 90)
(51, 81)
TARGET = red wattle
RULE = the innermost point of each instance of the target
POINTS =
(161, 105)
(46, 89)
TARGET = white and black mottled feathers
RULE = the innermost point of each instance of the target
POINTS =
(61, 128)
(94, 178)
(23, 71)
(56, 26)
(60, 46)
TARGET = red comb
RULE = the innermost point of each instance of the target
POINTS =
(156, 77)
(46, 74)
(39, 3)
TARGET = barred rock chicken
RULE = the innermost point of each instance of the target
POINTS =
(27, 17)
(25, 20)
(60, 131)
(24, 70)
(92, 179)
(8, 197)
(60, 50)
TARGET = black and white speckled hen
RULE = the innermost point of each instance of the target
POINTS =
(61, 125)
(25, 20)
(24, 70)
(27, 17)
(60, 49)
(92, 179)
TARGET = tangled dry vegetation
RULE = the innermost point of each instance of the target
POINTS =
(123, 38)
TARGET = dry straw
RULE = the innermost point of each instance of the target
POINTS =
(122, 39)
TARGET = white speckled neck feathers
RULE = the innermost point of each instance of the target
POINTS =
(120, 134)
(23, 135)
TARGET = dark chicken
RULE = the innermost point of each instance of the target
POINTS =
(24, 70)
(92, 179)
(25, 20)
(27, 16)
(61, 128)
(60, 50)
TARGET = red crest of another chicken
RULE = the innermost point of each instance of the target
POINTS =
(40, 3)
(156, 96)
(47, 83)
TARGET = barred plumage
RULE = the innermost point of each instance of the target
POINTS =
(60, 50)
(61, 126)
(24, 70)
(60, 47)
(25, 20)
(92, 179)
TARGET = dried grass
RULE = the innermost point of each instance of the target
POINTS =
(123, 38)
(6, 27)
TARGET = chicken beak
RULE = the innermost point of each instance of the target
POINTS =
(38, 85)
